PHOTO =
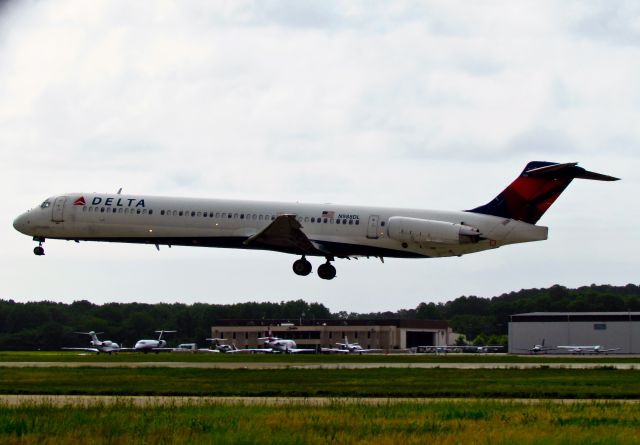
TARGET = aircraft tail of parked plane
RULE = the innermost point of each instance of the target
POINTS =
(535, 190)
(307, 230)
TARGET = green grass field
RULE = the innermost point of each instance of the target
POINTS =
(483, 420)
(476, 422)
(601, 383)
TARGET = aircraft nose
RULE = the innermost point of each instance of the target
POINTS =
(22, 223)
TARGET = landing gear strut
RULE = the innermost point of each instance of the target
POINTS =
(38, 250)
(302, 267)
(326, 271)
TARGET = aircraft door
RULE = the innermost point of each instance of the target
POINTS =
(372, 227)
(58, 209)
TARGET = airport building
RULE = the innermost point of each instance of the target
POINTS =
(387, 334)
(610, 330)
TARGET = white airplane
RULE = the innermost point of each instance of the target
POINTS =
(156, 346)
(97, 346)
(218, 346)
(538, 349)
(349, 348)
(322, 230)
(590, 349)
(279, 345)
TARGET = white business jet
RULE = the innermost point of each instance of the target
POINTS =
(97, 346)
(156, 346)
(349, 348)
(308, 230)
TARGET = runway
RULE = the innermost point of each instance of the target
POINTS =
(266, 365)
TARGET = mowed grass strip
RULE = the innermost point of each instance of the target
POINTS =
(474, 422)
(379, 382)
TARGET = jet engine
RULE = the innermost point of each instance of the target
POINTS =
(415, 230)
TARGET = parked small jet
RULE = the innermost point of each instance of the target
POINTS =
(218, 346)
(349, 348)
(320, 230)
(156, 346)
(590, 349)
(279, 345)
(97, 346)
(538, 349)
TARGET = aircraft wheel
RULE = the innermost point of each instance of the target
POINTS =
(326, 271)
(38, 250)
(302, 267)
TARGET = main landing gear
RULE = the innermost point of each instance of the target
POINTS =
(38, 250)
(303, 267)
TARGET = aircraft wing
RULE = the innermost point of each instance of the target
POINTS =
(284, 233)
(299, 351)
(335, 350)
(82, 349)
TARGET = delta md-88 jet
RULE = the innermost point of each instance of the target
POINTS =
(307, 230)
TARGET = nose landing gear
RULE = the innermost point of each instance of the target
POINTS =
(38, 250)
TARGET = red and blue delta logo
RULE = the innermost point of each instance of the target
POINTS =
(79, 202)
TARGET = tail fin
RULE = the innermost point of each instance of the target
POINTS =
(535, 190)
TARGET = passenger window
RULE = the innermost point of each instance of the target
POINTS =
(337, 221)
(175, 213)
(101, 209)
(90, 209)
(150, 211)
(138, 211)
(357, 222)
(180, 213)
(242, 216)
(205, 214)
(218, 215)
(235, 216)
(350, 222)
(193, 213)
(114, 210)
(260, 218)
(120, 210)
(382, 224)
(313, 219)
(162, 212)
(254, 217)
(344, 221)
(306, 219)
(325, 220)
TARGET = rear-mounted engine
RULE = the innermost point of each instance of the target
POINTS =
(415, 230)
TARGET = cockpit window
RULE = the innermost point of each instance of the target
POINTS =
(45, 204)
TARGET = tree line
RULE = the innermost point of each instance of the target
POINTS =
(49, 325)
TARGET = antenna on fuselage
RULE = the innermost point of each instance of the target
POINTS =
(119, 191)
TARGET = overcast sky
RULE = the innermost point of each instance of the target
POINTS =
(406, 104)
